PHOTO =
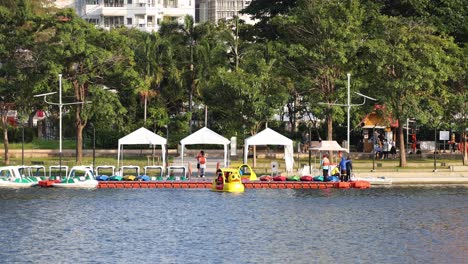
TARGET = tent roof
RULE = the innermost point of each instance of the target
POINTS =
(205, 136)
(142, 136)
(268, 137)
(327, 145)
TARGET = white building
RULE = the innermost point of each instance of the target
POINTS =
(146, 15)
(215, 10)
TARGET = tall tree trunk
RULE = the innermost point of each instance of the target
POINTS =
(80, 96)
(401, 141)
(330, 130)
(329, 126)
(79, 143)
(5, 137)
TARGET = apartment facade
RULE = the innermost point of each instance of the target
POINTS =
(146, 15)
(215, 10)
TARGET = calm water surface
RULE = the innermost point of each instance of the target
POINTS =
(379, 225)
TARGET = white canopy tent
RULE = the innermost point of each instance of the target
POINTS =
(270, 137)
(142, 136)
(329, 145)
(205, 136)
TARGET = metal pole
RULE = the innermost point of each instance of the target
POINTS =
(310, 151)
(94, 147)
(373, 149)
(349, 108)
(167, 145)
(206, 116)
(407, 135)
(22, 145)
(435, 149)
(60, 125)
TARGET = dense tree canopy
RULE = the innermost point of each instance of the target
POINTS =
(409, 54)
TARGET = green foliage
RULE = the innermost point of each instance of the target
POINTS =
(296, 56)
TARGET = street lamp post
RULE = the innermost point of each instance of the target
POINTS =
(22, 143)
(435, 149)
(94, 144)
(348, 105)
(167, 144)
(60, 105)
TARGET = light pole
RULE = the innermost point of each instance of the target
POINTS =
(94, 144)
(348, 105)
(60, 105)
(436, 125)
(22, 143)
(167, 144)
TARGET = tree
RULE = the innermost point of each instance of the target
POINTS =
(407, 65)
(322, 39)
(17, 36)
(87, 58)
(448, 16)
(456, 106)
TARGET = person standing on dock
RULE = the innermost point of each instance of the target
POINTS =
(349, 168)
(198, 161)
(325, 164)
(342, 165)
(201, 164)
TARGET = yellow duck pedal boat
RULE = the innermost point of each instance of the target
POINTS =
(227, 180)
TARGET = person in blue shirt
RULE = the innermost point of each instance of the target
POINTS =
(342, 165)
(349, 168)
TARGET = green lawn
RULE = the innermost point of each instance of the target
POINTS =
(44, 144)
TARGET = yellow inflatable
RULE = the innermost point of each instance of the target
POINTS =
(247, 173)
(227, 180)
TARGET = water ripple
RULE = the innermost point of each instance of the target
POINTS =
(379, 225)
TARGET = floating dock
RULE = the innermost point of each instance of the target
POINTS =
(248, 185)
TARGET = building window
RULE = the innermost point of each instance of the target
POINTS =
(170, 3)
(129, 20)
(94, 21)
(129, 2)
(113, 21)
(92, 2)
(114, 3)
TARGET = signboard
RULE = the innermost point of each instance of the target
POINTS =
(444, 135)
(426, 145)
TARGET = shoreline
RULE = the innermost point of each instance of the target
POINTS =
(420, 174)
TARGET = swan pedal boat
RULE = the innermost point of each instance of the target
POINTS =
(227, 180)
(11, 177)
(79, 177)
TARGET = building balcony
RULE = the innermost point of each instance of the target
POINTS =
(114, 11)
(93, 10)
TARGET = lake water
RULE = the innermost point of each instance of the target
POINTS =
(378, 225)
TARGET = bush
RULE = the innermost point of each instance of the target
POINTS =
(15, 134)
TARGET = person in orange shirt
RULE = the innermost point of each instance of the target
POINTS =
(202, 163)
(325, 164)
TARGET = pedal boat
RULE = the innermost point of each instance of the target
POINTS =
(11, 177)
(246, 173)
(35, 173)
(81, 177)
(100, 176)
(227, 180)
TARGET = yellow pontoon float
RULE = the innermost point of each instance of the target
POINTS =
(227, 180)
